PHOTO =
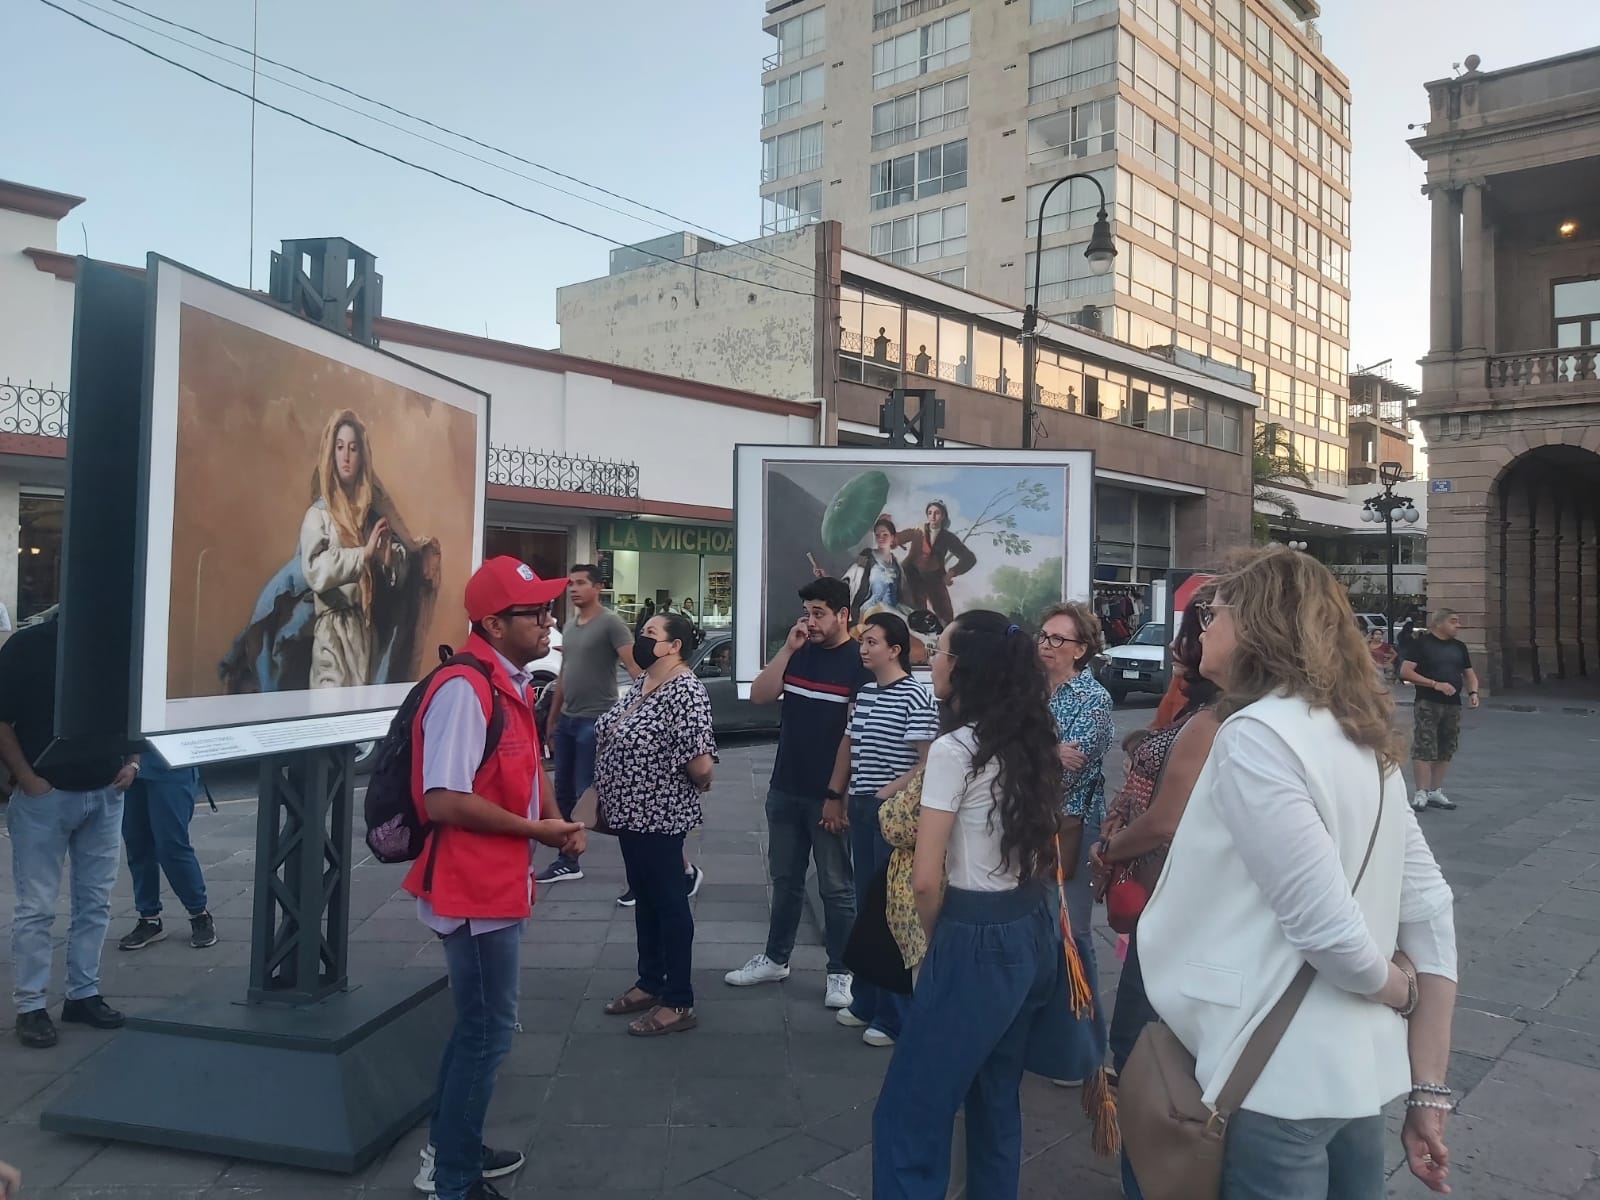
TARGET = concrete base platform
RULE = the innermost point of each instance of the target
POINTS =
(329, 1085)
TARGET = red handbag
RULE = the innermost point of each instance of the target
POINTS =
(1125, 901)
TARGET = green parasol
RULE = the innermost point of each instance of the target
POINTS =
(850, 514)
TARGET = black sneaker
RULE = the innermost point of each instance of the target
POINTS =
(146, 933)
(559, 872)
(202, 931)
(692, 879)
(627, 899)
(36, 1030)
(91, 1010)
(495, 1164)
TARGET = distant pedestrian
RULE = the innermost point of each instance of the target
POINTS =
(892, 723)
(816, 673)
(593, 643)
(655, 755)
(474, 879)
(645, 613)
(70, 810)
(1438, 665)
(993, 996)
(155, 830)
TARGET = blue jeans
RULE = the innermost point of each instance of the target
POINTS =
(483, 984)
(880, 1009)
(46, 831)
(1132, 1014)
(1269, 1158)
(662, 921)
(155, 829)
(574, 751)
(793, 835)
(992, 969)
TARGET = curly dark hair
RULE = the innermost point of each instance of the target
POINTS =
(1198, 691)
(998, 687)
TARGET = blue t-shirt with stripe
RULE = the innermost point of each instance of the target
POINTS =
(817, 689)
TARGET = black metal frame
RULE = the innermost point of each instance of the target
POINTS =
(300, 931)
(521, 467)
(33, 411)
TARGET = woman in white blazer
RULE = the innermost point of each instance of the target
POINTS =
(1258, 882)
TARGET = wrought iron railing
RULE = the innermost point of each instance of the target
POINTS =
(888, 14)
(1540, 368)
(27, 408)
(1392, 411)
(521, 467)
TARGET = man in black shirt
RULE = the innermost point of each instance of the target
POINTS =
(70, 810)
(816, 674)
(1440, 668)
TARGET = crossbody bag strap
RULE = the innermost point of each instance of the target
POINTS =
(1259, 1049)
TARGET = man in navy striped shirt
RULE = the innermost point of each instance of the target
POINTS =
(816, 674)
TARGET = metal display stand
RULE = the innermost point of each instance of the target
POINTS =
(307, 1070)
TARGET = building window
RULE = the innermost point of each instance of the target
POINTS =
(1257, 211)
(1194, 299)
(792, 153)
(1196, 46)
(1194, 172)
(1150, 278)
(1151, 211)
(1074, 204)
(1064, 274)
(1155, 147)
(955, 276)
(39, 548)
(1575, 304)
(922, 237)
(1257, 156)
(1133, 543)
(1068, 10)
(1159, 17)
(791, 96)
(1225, 251)
(1195, 106)
(1253, 327)
(932, 109)
(800, 37)
(1152, 76)
(1257, 96)
(1072, 66)
(1194, 235)
(935, 46)
(1224, 313)
(928, 172)
(1230, 74)
(1076, 132)
(1228, 189)
(791, 207)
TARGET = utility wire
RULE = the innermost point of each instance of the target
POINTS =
(795, 269)
(678, 222)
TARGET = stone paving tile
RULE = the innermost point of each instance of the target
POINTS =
(771, 1098)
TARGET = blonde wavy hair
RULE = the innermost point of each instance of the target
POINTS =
(1297, 634)
(349, 507)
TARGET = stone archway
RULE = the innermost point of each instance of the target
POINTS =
(1545, 560)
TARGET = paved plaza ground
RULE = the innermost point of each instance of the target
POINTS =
(769, 1098)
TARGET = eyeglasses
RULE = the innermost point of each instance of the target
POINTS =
(537, 610)
(1055, 641)
(936, 652)
(1207, 613)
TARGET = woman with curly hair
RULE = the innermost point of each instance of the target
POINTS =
(992, 997)
(1299, 877)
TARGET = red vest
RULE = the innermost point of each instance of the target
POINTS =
(466, 874)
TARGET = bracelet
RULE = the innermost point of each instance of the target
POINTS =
(1411, 994)
(1443, 1105)
(1432, 1089)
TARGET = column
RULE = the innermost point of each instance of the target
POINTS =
(10, 529)
(1443, 273)
(1473, 293)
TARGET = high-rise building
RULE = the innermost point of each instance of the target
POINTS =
(1220, 133)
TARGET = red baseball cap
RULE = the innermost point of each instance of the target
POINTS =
(503, 583)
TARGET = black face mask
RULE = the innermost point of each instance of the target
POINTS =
(645, 650)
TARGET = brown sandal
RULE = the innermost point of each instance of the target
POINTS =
(624, 1007)
(651, 1024)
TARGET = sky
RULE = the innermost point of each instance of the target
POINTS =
(659, 102)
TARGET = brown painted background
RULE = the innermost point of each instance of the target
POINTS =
(251, 410)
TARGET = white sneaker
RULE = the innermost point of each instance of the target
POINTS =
(1437, 799)
(759, 969)
(1420, 800)
(838, 992)
(877, 1037)
(496, 1163)
(848, 1019)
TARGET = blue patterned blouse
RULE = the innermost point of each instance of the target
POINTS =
(1082, 709)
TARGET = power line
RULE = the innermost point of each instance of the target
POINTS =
(679, 222)
(805, 274)
(416, 166)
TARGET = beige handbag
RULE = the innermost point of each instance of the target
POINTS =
(1173, 1139)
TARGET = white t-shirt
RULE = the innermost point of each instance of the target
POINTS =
(973, 860)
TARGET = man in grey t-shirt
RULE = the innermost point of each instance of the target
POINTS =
(593, 641)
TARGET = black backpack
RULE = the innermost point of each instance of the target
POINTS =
(396, 826)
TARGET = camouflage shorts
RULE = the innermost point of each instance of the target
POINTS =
(1437, 731)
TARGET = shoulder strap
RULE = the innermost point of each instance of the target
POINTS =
(497, 712)
(1258, 1050)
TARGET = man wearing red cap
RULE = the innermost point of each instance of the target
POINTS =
(473, 881)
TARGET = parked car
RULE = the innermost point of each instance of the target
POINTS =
(713, 663)
(1138, 665)
(1369, 621)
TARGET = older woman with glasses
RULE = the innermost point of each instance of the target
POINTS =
(1069, 638)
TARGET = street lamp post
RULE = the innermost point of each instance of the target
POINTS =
(1389, 508)
(1101, 253)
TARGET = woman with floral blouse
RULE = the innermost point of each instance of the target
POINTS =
(1069, 639)
(654, 756)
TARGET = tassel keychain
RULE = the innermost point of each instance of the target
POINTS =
(1099, 1098)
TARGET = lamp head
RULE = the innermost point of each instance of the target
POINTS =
(1102, 249)
(1391, 473)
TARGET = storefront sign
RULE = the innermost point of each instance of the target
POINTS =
(660, 537)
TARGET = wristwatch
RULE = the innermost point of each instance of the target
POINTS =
(833, 794)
